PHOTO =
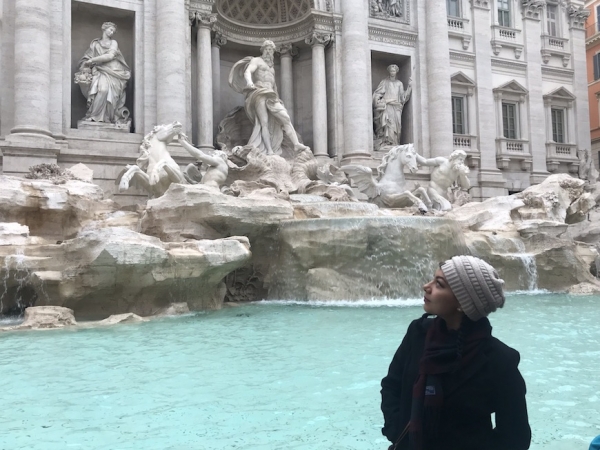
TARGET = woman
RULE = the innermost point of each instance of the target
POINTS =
(450, 375)
(105, 89)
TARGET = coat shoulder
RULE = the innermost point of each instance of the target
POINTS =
(501, 355)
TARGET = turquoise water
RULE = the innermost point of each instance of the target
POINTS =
(273, 376)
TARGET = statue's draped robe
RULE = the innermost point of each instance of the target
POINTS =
(388, 121)
(106, 94)
(253, 96)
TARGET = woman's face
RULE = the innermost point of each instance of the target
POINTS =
(439, 298)
(109, 31)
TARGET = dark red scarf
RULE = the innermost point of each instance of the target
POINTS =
(440, 357)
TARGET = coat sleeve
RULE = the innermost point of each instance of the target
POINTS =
(512, 430)
(391, 390)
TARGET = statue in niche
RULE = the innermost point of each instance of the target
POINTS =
(102, 77)
(388, 189)
(388, 103)
(448, 179)
(255, 78)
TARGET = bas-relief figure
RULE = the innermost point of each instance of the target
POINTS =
(102, 77)
(447, 173)
(388, 103)
(255, 78)
(388, 9)
(216, 167)
(389, 188)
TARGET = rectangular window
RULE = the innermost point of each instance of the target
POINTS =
(504, 13)
(598, 18)
(458, 115)
(551, 14)
(509, 120)
(453, 8)
(558, 125)
(596, 66)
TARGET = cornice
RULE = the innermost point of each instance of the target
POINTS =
(567, 74)
(461, 56)
(389, 36)
(316, 21)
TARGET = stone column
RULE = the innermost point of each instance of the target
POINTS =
(218, 41)
(30, 141)
(286, 91)
(318, 41)
(171, 28)
(489, 109)
(577, 19)
(438, 80)
(204, 78)
(356, 91)
(32, 68)
(537, 116)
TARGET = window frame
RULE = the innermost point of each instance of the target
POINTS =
(559, 136)
(463, 114)
(505, 125)
(556, 20)
(596, 66)
(458, 8)
(504, 13)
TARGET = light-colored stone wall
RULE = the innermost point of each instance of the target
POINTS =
(159, 45)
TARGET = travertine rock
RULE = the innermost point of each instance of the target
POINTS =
(120, 318)
(197, 212)
(174, 309)
(45, 317)
(53, 211)
(115, 270)
(585, 289)
(82, 172)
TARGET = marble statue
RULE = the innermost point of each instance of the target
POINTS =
(155, 169)
(447, 172)
(388, 103)
(216, 165)
(389, 188)
(255, 78)
(102, 77)
(587, 171)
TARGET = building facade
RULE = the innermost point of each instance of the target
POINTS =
(592, 44)
(503, 80)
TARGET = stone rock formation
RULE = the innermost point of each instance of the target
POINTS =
(53, 211)
(115, 270)
(45, 318)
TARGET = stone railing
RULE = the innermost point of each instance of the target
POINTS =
(507, 37)
(561, 151)
(456, 23)
(557, 46)
(465, 141)
(508, 150)
(557, 154)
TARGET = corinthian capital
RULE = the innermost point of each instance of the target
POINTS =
(288, 49)
(532, 8)
(218, 40)
(202, 19)
(577, 16)
(319, 38)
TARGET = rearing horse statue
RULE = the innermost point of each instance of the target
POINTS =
(389, 188)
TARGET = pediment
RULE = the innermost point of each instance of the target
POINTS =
(462, 79)
(512, 87)
(560, 94)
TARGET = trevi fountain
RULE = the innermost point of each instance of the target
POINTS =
(234, 282)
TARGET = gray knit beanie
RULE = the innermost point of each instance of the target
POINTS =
(476, 285)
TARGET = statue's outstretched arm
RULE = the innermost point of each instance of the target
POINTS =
(252, 66)
(431, 162)
(197, 153)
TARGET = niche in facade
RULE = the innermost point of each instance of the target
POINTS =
(102, 92)
(392, 123)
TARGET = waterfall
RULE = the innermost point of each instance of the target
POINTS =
(17, 290)
(529, 264)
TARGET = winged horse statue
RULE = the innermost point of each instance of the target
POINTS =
(389, 189)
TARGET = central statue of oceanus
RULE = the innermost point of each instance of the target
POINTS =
(389, 188)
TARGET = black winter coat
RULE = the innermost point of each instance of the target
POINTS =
(490, 383)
